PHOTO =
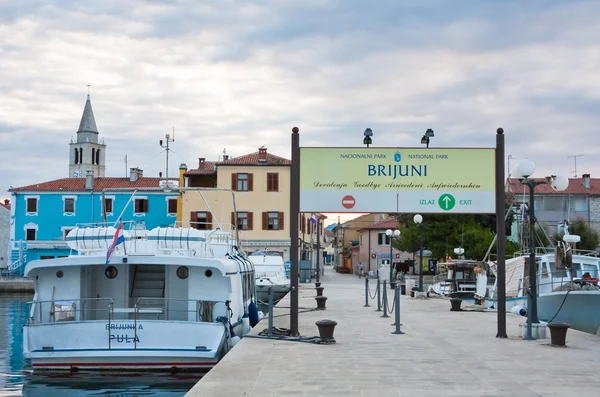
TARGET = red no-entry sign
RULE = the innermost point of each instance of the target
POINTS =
(348, 201)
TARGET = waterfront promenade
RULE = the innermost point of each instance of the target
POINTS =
(442, 353)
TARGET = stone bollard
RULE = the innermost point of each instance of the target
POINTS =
(558, 333)
(321, 302)
(326, 328)
(320, 291)
(455, 302)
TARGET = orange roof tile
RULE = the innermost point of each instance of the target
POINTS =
(204, 168)
(78, 184)
(383, 225)
(575, 187)
(253, 159)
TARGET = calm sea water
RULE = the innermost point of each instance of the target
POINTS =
(17, 379)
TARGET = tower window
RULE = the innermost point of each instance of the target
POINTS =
(97, 156)
(80, 156)
(93, 156)
(76, 156)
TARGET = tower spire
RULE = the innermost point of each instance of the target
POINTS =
(88, 122)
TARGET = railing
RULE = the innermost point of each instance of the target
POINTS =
(203, 310)
(66, 310)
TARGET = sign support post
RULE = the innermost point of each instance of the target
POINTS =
(294, 238)
(501, 235)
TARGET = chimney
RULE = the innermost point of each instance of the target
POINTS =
(6, 201)
(134, 174)
(262, 155)
(587, 182)
(160, 174)
(225, 157)
(89, 180)
(201, 161)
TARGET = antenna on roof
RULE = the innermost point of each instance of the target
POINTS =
(575, 159)
(168, 139)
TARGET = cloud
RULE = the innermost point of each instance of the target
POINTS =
(238, 75)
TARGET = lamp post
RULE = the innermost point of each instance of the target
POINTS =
(368, 134)
(425, 139)
(418, 219)
(391, 234)
(523, 171)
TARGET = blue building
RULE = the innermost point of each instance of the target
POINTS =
(43, 214)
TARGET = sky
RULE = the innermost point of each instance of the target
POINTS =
(236, 75)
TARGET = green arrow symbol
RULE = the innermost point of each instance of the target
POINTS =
(446, 202)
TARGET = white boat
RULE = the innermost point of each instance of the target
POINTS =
(170, 298)
(270, 273)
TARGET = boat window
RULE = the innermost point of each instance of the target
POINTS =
(111, 272)
(183, 272)
(208, 273)
(59, 274)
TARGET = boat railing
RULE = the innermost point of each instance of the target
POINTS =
(60, 310)
(539, 251)
(175, 309)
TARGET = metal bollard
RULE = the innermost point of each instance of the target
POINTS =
(385, 301)
(378, 295)
(366, 292)
(397, 310)
(270, 311)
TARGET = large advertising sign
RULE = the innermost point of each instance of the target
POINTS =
(408, 180)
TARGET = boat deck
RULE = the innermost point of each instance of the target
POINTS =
(442, 353)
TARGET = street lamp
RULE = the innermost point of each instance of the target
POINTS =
(391, 234)
(523, 171)
(418, 219)
(425, 139)
(368, 134)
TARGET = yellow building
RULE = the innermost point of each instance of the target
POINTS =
(260, 182)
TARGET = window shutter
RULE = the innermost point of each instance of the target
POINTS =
(280, 215)
(303, 224)
(265, 221)
(209, 220)
(233, 224)
(193, 219)
(250, 220)
(250, 182)
(275, 182)
(234, 182)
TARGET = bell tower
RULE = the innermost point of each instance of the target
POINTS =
(86, 153)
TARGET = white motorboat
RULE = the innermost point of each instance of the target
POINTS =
(270, 273)
(170, 298)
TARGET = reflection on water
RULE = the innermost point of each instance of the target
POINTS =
(17, 379)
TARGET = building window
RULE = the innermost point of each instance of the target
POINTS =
(69, 205)
(272, 182)
(383, 239)
(141, 206)
(66, 231)
(97, 156)
(30, 234)
(76, 156)
(201, 220)
(172, 206)
(32, 204)
(241, 182)
(273, 220)
(108, 205)
(93, 156)
(244, 220)
(80, 155)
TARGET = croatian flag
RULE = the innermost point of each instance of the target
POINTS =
(119, 239)
(313, 219)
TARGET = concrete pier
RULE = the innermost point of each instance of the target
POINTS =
(16, 285)
(442, 353)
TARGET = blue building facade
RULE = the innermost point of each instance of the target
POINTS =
(42, 215)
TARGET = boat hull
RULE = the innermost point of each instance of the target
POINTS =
(279, 291)
(579, 309)
(145, 345)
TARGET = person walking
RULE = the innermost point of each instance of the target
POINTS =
(360, 269)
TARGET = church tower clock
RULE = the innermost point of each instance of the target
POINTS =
(86, 153)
